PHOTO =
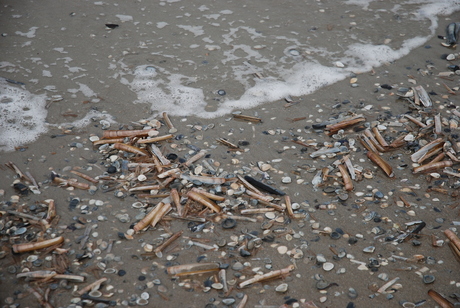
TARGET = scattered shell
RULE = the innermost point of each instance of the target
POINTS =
(142, 302)
(328, 266)
(282, 249)
(217, 286)
(228, 301)
(427, 279)
(352, 294)
(450, 57)
(369, 249)
(95, 293)
(286, 180)
(320, 258)
(322, 284)
(141, 178)
(282, 288)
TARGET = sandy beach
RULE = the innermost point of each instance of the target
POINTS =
(83, 63)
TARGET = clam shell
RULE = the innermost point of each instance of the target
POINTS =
(427, 279)
(328, 266)
(95, 293)
(142, 302)
(369, 249)
(282, 249)
(282, 288)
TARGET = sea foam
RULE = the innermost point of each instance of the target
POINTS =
(296, 73)
(22, 116)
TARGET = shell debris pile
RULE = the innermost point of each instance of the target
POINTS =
(193, 224)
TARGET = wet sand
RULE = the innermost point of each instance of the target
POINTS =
(270, 142)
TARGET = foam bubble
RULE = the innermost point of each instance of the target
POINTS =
(176, 99)
(22, 116)
(91, 117)
(366, 56)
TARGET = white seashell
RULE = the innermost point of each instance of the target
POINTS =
(409, 137)
(282, 288)
(138, 205)
(142, 302)
(148, 248)
(282, 249)
(95, 293)
(286, 180)
(198, 169)
(280, 219)
(264, 167)
(217, 286)
(270, 215)
(145, 295)
(141, 178)
(369, 249)
(339, 64)
(110, 271)
(32, 258)
(328, 266)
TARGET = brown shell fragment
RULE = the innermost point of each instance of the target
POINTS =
(346, 178)
(334, 128)
(433, 166)
(438, 298)
(19, 248)
(130, 148)
(193, 269)
(376, 159)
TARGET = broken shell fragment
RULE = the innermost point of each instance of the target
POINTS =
(282, 288)
(193, 269)
(369, 249)
(270, 275)
(427, 279)
(20, 248)
(375, 158)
